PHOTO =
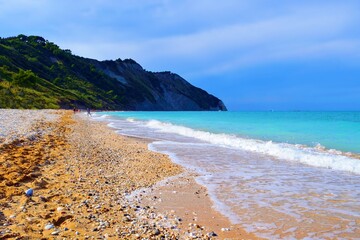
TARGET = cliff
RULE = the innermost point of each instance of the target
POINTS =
(35, 73)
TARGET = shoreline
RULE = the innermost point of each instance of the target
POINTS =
(267, 196)
(82, 173)
(183, 198)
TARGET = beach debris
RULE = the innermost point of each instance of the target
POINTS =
(225, 229)
(55, 233)
(29, 192)
(49, 226)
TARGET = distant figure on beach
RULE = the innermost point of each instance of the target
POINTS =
(88, 112)
(74, 110)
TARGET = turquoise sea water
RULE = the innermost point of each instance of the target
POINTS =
(333, 130)
(280, 175)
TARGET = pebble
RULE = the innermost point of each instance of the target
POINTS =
(55, 233)
(211, 234)
(156, 232)
(49, 226)
(225, 229)
(29, 192)
(192, 235)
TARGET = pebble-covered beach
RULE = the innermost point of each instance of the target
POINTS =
(64, 176)
(20, 124)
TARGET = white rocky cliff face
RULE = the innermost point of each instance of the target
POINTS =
(163, 91)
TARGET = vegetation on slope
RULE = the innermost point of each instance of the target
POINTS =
(35, 73)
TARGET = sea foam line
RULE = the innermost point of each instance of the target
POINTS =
(285, 151)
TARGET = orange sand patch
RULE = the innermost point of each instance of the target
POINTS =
(80, 173)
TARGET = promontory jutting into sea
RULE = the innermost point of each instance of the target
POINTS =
(288, 174)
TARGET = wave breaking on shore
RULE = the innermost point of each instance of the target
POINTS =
(317, 157)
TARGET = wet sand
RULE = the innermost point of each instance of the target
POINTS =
(84, 176)
(183, 197)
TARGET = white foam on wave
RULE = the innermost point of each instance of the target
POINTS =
(111, 125)
(130, 119)
(97, 116)
(290, 152)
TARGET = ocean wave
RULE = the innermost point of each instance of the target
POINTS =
(130, 119)
(314, 156)
(97, 116)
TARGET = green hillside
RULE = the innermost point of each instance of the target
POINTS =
(36, 73)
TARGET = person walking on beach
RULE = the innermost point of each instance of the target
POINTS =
(88, 112)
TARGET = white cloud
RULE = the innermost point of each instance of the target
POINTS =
(203, 36)
(302, 32)
(311, 51)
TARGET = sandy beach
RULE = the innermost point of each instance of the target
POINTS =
(90, 183)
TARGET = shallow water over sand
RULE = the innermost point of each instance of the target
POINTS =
(271, 197)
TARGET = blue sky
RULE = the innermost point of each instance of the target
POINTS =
(254, 55)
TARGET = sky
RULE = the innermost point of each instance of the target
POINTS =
(252, 54)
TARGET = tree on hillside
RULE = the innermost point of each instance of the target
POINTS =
(25, 78)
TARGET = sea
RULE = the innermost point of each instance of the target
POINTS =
(280, 175)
